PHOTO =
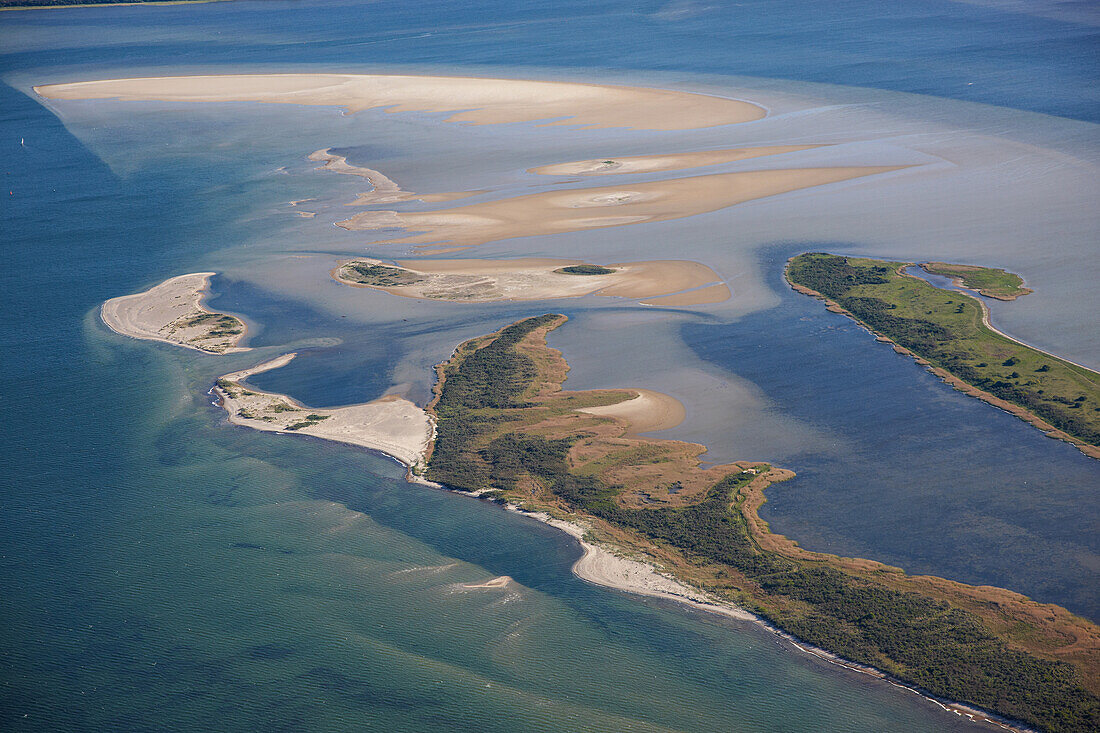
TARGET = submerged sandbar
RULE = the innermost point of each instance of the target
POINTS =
(658, 163)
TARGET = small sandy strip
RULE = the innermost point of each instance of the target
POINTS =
(481, 101)
(391, 424)
(478, 281)
(573, 210)
(385, 190)
(656, 163)
(172, 312)
(501, 582)
(647, 412)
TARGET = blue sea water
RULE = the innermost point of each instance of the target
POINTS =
(165, 571)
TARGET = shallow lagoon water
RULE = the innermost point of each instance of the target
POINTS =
(163, 569)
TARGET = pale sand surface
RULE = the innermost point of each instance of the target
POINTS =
(646, 412)
(483, 101)
(717, 293)
(474, 281)
(656, 163)
(556, 212)
(384, 190)
(166, 312)
(392, 425)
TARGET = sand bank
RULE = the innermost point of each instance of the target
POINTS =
(559, 211)
(478, 281)
(384, 190)
(657, 163)
(391, 424)
(172, 312)
(646, 412)
(481, 101)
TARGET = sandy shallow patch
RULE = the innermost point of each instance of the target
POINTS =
(717, 293)
(384, 189)
(391, 424)
(478, 281)
(647, 412)
(172, 312)
(482, 101)
(554, 212)
(657, 163)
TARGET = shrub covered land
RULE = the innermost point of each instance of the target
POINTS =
(504, 424)
(585, 270)
(946, 328)
(991, 282)
(382, 276)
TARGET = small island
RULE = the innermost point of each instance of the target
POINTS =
(506, 430)
(992, 282)
(950, 332)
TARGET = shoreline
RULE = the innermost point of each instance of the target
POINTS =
(956, 383)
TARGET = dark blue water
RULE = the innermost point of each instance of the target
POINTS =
(921, 476)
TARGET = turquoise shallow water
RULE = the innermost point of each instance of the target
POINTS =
(163, 570)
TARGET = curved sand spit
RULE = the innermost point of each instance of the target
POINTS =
(478, 281)
(392, 425)
(383, 189)
(571, 210)
(657, 163)
(482, 101)
(172, 312)
(647, 412)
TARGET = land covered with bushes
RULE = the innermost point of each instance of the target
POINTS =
(992, 282)
(504, 425)
(950, 331)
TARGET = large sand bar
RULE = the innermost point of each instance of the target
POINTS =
(391, 424)
(172, 312)
(477, 281)
(482, 101)
(559, 211)
(657, 163)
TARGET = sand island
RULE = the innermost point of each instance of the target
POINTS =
(478, 281)
(474, 100)
(172, 312)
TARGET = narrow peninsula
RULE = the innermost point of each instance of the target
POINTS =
(949, 332)
(172, 312)
(506, 428)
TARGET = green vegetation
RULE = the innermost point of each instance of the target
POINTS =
(989, 281)
(382, 276)
(500, 428)
(584, 270)
(309, 421)
(946, 328)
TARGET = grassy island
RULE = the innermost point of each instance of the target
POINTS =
(950, 332)
(381, 276)
(505, 425)
(992, 282)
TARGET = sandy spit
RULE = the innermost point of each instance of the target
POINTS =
(392, 425)
(162, 312)
(477, 100)
(647, 412)
(384, 189)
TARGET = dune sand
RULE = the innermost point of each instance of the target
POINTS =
(657, 163)
(481, 101)
(478, 281)
(571, 210)
(391, 424)
(172, 312)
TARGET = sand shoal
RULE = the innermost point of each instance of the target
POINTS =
(476, 100)
(163, 312)
(571, 210)
(478, 281)
(390, 424)
(384, 190)
(647, 412)
(657, 163)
